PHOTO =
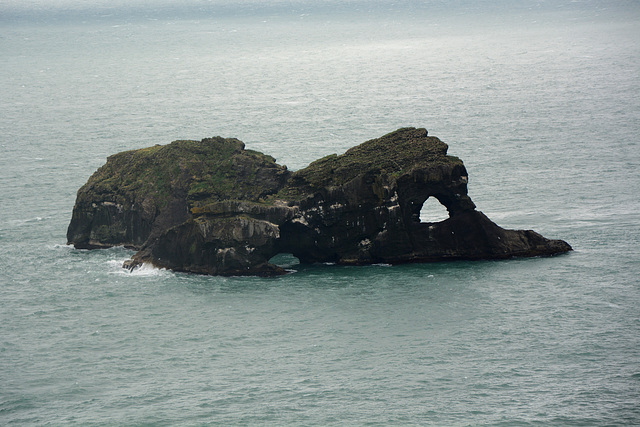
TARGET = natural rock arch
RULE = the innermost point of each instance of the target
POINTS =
(432, 211)
(284, 260)
(213, 207)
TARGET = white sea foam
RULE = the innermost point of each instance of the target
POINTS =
(21, 222)
(57, 246)
(63, 248)
(115, 267)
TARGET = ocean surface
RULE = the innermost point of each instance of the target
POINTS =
(541, 99)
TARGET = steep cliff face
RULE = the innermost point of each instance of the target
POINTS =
(213, 207)
(142, 193)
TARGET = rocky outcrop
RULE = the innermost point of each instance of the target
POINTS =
(213, 207)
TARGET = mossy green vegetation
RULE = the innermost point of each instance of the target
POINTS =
(201, 171)
(387, 157)
(218, 168)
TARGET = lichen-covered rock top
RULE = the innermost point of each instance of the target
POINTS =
(213, 207)
(209, 170)
(136, 190)
(388, 157)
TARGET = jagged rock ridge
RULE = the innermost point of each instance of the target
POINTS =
(214, 207)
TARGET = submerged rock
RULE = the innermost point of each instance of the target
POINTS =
(213, 207)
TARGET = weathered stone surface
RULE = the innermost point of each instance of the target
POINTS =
(142, 193)
(213, 207)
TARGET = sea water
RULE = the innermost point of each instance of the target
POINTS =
(540, 99)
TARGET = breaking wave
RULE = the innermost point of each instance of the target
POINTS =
(115, 267)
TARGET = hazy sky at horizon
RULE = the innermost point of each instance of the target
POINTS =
(90, 5)
(87, 4)
(61, 10)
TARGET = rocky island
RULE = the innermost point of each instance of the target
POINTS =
(214, 207)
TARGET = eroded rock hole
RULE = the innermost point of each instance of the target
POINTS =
(433, 211)
(284, 260)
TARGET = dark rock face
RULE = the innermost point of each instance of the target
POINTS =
(212, 207)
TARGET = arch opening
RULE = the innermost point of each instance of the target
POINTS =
(284, 260)
(433, 211)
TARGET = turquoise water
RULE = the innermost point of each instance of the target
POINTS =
(542, 103)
